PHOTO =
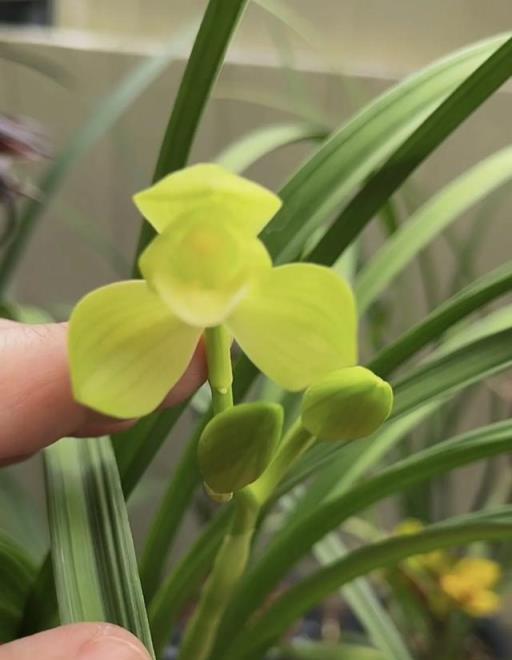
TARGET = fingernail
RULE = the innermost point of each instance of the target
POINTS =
(112, 648)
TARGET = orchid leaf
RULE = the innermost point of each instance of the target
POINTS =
(173, 506)
(354, 151)
(93, 555)
(302, 650)
(412, 151)
(243, 153)
(17, 573)
(477, 294)
(428, 221)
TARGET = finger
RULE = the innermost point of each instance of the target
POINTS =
(36, 402)
(84, 641)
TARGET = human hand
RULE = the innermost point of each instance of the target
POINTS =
(81, 641)
(36, 409)
(36, 403)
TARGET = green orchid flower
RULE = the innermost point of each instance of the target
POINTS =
(130, 342)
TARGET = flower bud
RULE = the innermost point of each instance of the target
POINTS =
(237, 445)
(346, 404)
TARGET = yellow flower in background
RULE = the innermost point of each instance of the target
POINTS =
(466, 584)
(409, 526)
(470, 584)
(436, 561)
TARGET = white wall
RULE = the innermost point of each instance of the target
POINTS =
(376, 35)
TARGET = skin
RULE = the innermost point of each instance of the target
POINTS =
(36, 409)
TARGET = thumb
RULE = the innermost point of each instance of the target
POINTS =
(84, 641)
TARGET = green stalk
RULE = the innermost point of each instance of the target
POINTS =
(294, 444)
(220, 373)
(228, 568)
(169, 516)
(233, 555)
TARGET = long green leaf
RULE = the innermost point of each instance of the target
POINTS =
(337, 468)
(136, 448)
(19, 516)
(471, 298)
(302, 650)
(296, 540)
(17, 573)
(344, 468)
(487, 353)
(41, 611)
(171, 511)
(292, 20)
(427, 222)
(203, 66)
(101, 120)
(467, 249)
(94, 559)
(300, 598)
(263, 141)
(365, 604)
(344, 162)
(457, 107)
(469, 364)
(272, 99)
(359, 596)
(185, 580)
(496, 321)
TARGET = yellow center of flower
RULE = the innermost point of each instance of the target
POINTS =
(202, 269)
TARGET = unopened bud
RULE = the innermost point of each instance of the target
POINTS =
(237, 445)
(346, 404)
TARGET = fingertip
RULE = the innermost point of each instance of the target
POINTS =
(192, 379)
(114, 643)
(81, 641)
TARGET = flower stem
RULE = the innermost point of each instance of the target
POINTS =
(296, 441)
(228, 568)
(220, 373)
(233, 555)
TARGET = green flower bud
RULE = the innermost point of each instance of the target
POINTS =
(237, 445)
(346, 404)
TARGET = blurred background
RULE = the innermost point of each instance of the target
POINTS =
(291, 61)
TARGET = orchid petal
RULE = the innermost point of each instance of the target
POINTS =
(202, 270)
(298, 324)
(207, 191)
(126, 349)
